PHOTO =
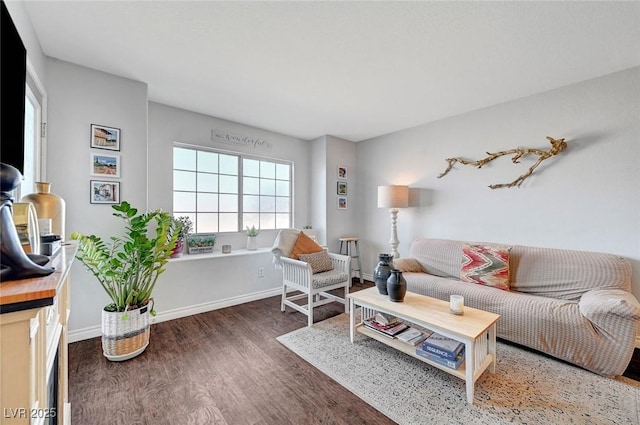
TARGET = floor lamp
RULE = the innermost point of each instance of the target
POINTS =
(393, 197)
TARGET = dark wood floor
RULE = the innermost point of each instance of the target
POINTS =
(220, 367)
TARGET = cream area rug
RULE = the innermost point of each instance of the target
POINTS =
(527, 388)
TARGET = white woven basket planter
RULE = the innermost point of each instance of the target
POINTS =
(123, 339)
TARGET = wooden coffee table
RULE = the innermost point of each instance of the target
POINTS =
(476, 329)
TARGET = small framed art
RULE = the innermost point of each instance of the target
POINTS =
(342, 202)
(342, 172)
(104, 165)
(342, 188)
(105, 192)
(103, 137)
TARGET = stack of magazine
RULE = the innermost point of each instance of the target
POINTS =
(385, 325)
(442, 350)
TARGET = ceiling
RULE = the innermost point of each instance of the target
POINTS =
(353, 70)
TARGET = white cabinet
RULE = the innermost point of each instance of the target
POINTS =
(33, 346)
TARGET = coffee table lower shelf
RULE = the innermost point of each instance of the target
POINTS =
(410, 350)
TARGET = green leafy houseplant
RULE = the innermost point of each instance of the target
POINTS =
(129, 266)
(252, 231)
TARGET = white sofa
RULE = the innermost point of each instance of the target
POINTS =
(573, 305)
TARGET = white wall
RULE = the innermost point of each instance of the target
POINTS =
(318, 188)
(79, 97)
(28, 35)
(327, 153)
(340, 222)
(587, 198)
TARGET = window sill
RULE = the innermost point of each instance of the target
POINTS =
(219, 254)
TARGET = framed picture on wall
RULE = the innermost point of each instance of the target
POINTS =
(105, 192)
(342, 202)
(103, 137)
(342, 188)
(342, 172)
(104, 165)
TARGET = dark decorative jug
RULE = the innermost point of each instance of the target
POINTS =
(396, 286)
(382, 271)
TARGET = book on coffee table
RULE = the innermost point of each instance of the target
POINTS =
(442, 346)
(414, 335)
(453, 364)
(385, 318)
(388, 330)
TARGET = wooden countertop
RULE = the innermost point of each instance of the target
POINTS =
(40, 288)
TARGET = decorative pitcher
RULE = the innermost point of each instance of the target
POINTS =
(396, 286)
(382, 271)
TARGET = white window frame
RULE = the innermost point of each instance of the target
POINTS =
(35, 91)
(240, 192)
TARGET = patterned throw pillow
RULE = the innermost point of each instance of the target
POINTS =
(319, 261)
(485, 265)
(304, 245)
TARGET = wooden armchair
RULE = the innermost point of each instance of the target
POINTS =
(298, 276)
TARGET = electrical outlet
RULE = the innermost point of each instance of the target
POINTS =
(260, 271)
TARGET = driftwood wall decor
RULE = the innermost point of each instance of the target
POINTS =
(557, 146)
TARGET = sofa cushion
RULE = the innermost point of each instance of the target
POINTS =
(304, 245)
(485, 265)
(566, 274)
(319, 261)
(408, 265)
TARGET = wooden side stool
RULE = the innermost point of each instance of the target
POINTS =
(349, 246)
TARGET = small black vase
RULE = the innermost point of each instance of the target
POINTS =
(396, 286)
(382, 271)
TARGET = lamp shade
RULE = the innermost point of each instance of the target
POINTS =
(394, 196)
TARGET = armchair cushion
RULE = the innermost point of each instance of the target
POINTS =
(319, 261)
(304, 245)
(329, 278)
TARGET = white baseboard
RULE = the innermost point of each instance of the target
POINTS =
(95, 331)
(365, 276)
(84, 333)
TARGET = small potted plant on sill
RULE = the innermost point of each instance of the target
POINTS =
(127, 268)
(252, 240)
(183, 226)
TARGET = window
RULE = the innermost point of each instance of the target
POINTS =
(226, 192)
(31, 143)
(34, 113)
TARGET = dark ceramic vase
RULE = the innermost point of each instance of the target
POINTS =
(382, 271)
(396, 286)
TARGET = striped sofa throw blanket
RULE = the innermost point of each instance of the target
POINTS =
(573, 305)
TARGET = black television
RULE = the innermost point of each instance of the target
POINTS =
(13, 74)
